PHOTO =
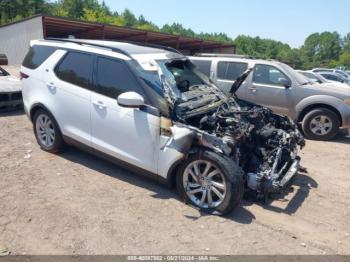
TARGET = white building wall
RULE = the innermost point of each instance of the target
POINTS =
(15, 38)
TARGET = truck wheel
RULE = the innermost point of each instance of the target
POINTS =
(320, 124)
(210, 182)
(47, 132)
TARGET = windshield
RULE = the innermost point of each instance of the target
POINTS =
(182, 74)
(321, 78)
(314, 77)
(172, 77)
(301, 79)
(342, 73)
(178, 75)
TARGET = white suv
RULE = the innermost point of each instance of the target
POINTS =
(149, 109)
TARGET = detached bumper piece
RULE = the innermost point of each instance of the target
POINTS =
(11, 101)
(276, 184)
(293, 170)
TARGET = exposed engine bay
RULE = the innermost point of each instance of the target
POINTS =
(262, 143)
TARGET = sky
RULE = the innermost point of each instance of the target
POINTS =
(289, 21)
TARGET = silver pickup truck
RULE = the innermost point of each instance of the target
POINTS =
(320, 109)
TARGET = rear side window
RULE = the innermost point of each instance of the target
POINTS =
(37, 55)
(114, 78)
(75, 68)
(203, 66)
(230, 70)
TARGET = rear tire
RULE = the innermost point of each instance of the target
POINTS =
(47, 132)
(320, 124)
(217, 178)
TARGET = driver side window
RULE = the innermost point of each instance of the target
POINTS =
(269, 75)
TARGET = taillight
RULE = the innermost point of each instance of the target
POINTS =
(23, 75)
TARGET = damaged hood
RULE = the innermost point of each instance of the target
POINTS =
(262, 143)
(239, 81)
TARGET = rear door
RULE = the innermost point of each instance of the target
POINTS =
(129, 134)
(68, 86)
(203, 65)
(226, 74)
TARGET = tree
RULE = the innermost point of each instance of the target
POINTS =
(327, 49)
(344, 59)
(322, 48)
(13, 10)
(129, 18)
(346, 42)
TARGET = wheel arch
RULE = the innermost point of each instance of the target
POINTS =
(172, 171)
(309, 108)
(35, 108)
(171, 176)
(38, 106)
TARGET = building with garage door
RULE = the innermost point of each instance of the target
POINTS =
(15, 37)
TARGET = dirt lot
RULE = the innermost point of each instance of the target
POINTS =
(73, 203)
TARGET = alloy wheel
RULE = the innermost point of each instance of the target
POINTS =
(321, 125)
(45, 130)
(204, 184)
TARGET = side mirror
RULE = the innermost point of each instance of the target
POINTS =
(130, 99)
(284, 82)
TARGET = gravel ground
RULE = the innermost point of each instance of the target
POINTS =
(74, 203)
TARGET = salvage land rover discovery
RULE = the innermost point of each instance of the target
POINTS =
(148, 107)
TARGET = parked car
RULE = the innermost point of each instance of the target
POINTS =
(317, 78)
(10, 91)
(328, 70)
(335, 77)
(151, 110)
(320, 111)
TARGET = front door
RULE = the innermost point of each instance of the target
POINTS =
(266, 89)
(129, 134)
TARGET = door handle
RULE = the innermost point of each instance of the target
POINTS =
(253, 89)
(99, 104)
(51, 86)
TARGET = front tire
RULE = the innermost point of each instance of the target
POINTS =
(210, 182)
(320, 124)
(47, 132)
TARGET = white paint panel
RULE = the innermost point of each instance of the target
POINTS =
(15, 38)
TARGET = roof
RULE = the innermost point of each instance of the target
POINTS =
(138, 51)
(60, 27)
(129, 48)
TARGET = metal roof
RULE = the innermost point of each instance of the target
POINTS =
(59, 27)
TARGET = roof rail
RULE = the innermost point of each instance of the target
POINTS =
(223, 55)
(167, 48)
(76, 41)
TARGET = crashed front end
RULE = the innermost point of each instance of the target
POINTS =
(263, 144)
